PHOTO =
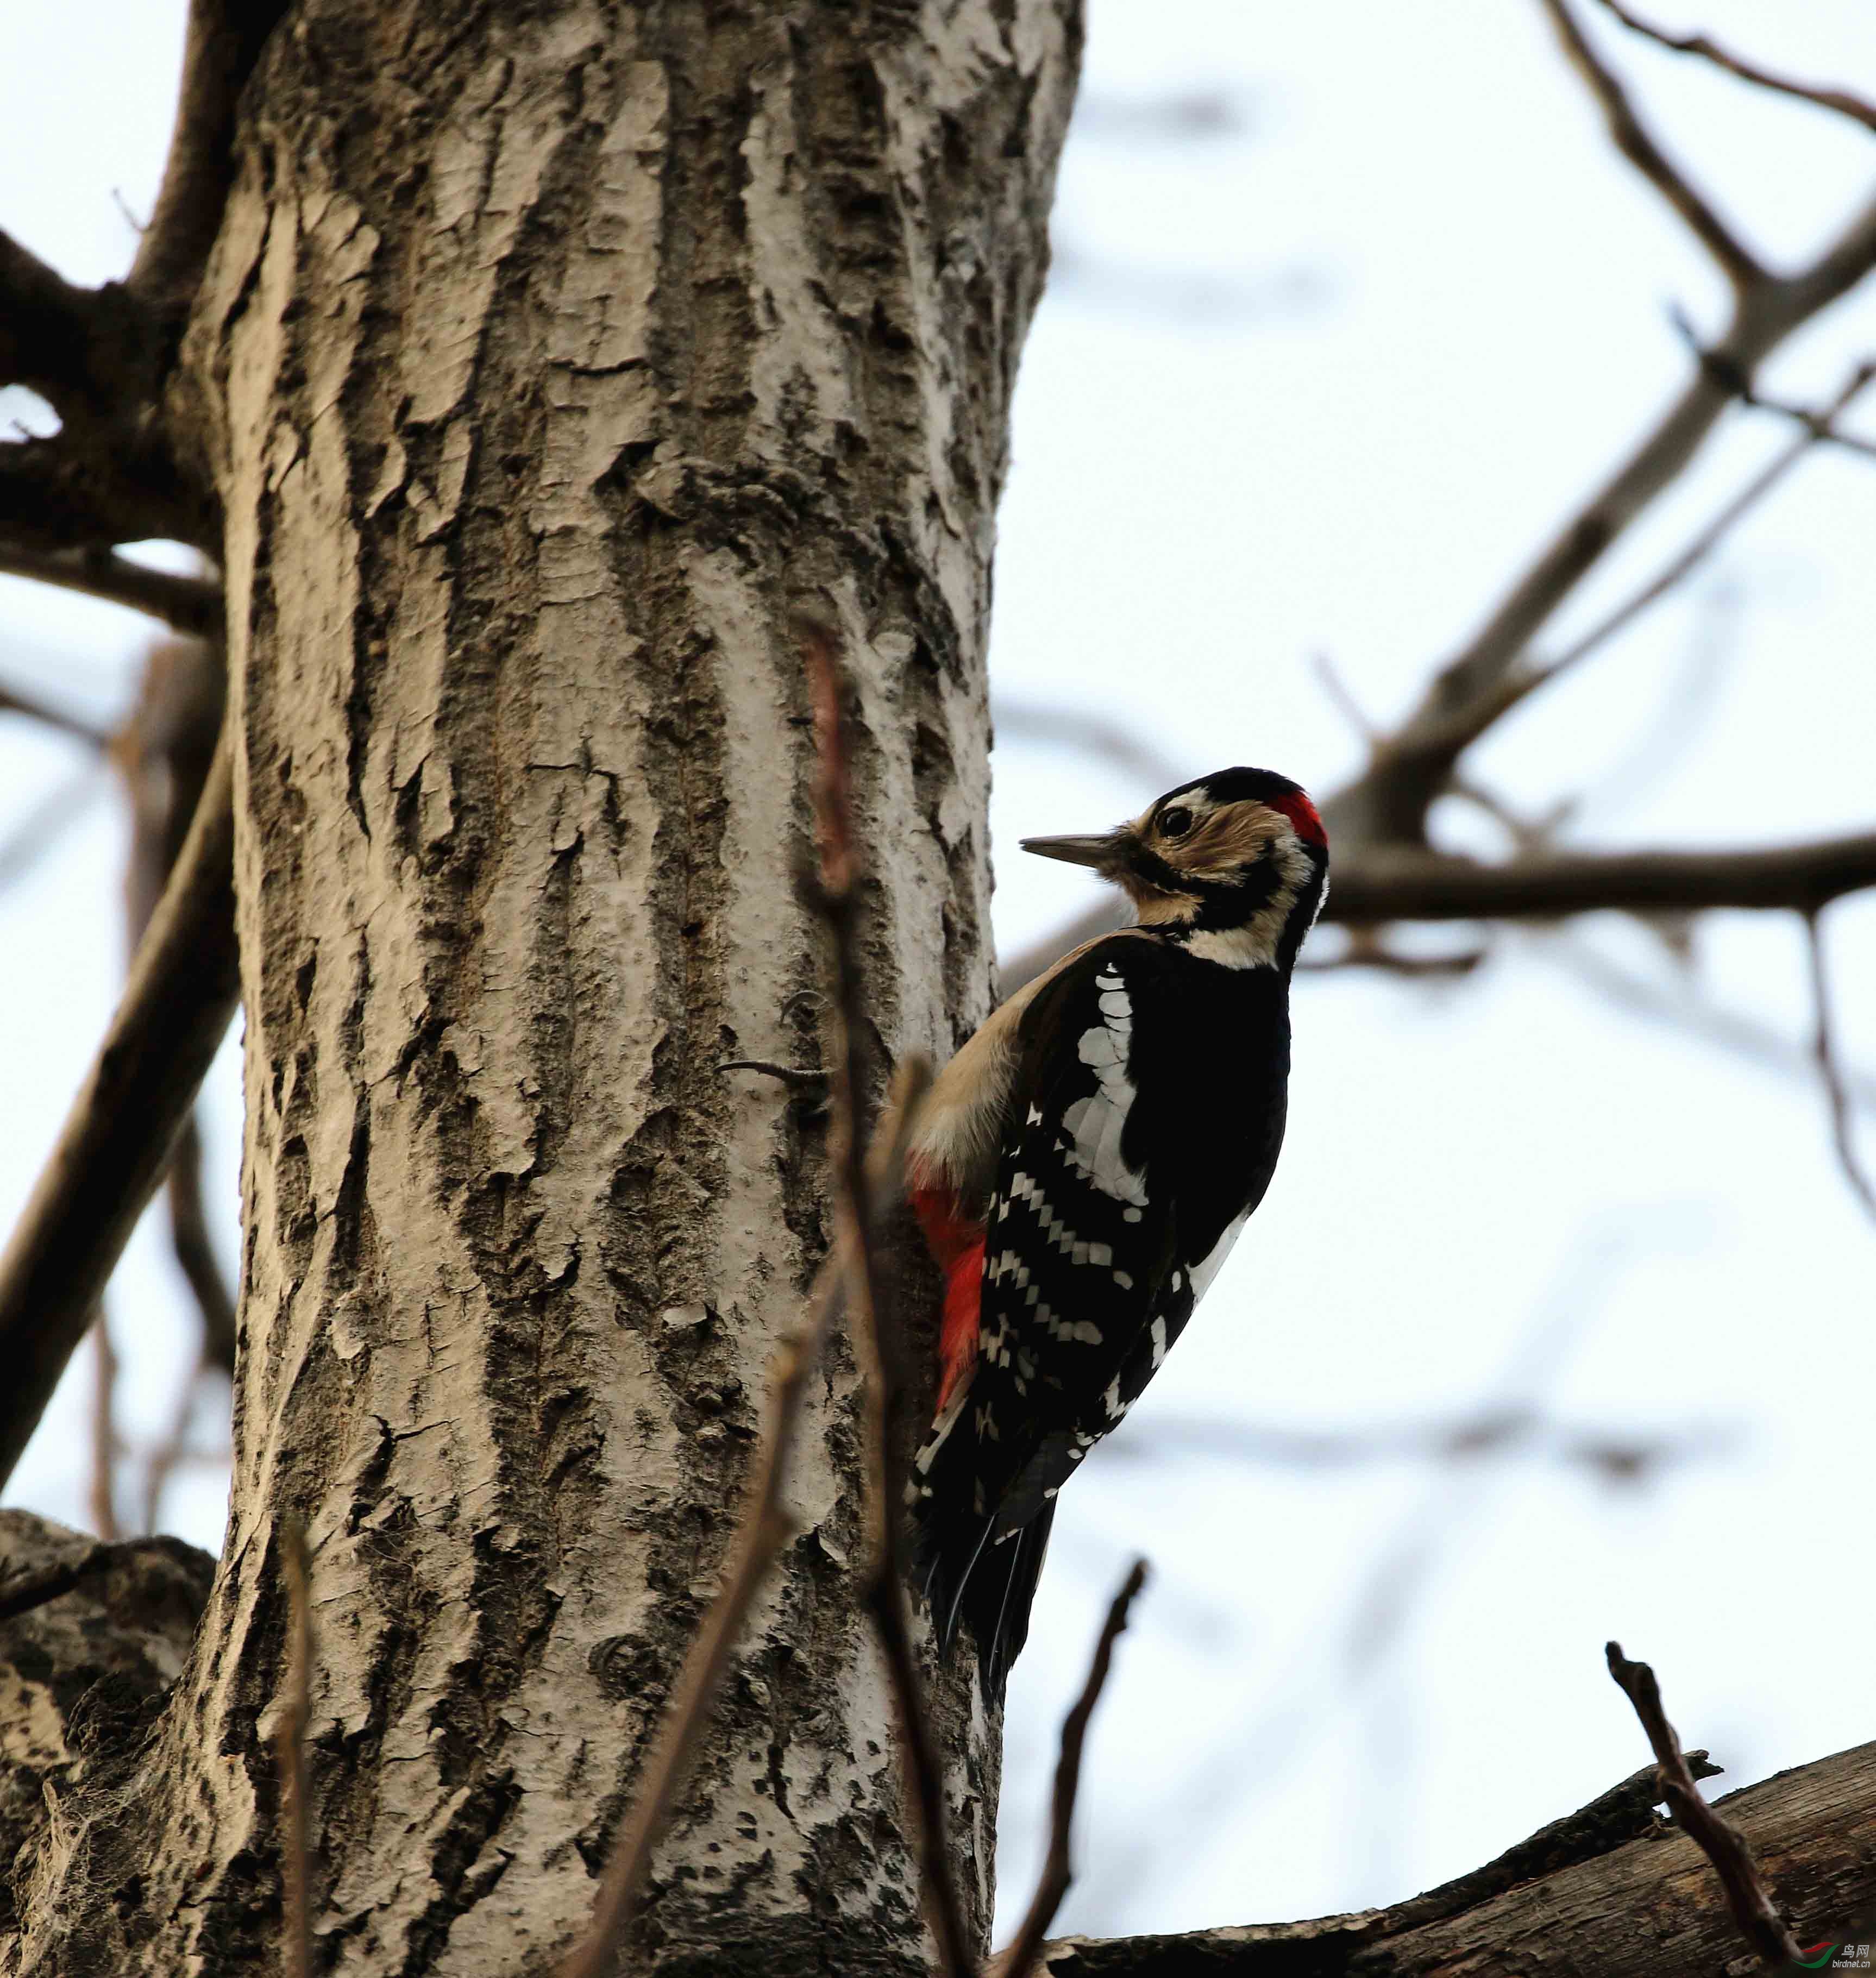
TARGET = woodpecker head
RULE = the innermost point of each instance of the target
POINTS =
(1233, 865)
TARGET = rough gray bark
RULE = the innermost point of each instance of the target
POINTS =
(1609, 1905)
(545, 357)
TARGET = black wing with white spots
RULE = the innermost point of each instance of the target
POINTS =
(1088, 1276)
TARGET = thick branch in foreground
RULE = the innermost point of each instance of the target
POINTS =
(1616, 1895)
(118, 1140)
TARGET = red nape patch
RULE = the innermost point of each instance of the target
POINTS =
(1302, 813)
(958, 1244)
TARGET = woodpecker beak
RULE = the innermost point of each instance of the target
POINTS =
(1107, 851)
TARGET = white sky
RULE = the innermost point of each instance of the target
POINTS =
(1320, 384)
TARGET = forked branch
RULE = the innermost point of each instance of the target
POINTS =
(1842, 102)
(1638, 145)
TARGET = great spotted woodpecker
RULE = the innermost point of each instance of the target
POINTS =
(1085, 1162)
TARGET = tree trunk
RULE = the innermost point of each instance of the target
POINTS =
(547, 356)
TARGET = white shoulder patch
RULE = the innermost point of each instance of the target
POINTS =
(1097, 1122)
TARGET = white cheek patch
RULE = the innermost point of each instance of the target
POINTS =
(1255, 944)
(1097, 1122)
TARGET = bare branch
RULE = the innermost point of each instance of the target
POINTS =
(290, 1745)
(884, 1591)
(111, 480)
(168, 1455)
(195, 1251)
(117, 1138)
(1374, 886)
(1722, 1844)
(1824, 1052)
(190, 604)
(1388, 802)
(103, 1429)
(1580, 1895)
(797, 1078)
(1637, 143)
(48, 328)
(1841, 101)
(1744, 1037)
(1625, 1456)
(12, 701)
(164, 756)
(1058, 1871)
(1329, 676)
(1106, 740)
(224, 42)
(1468, 723)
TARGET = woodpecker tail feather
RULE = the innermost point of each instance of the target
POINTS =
(966, 1578)
(998, 1594)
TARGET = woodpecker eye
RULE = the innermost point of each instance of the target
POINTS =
(1176, 822)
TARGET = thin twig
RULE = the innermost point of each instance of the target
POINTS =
(1637, 144)
(765, 1526)
(172, 1451)
(32, 835)
(164, 755)
(289, 1745)
(1329, 677)
(1470, 723)
(1058, 1871)
(13, 702)
(104, 1429)
(1744, 1037)
(1841, 101)
(1388, 802)
(1824, 1054)
(1116, 743)
(1720, 1843)
(195, 1251)
(796, 1078)
(885, 1593)
(117, 1138)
